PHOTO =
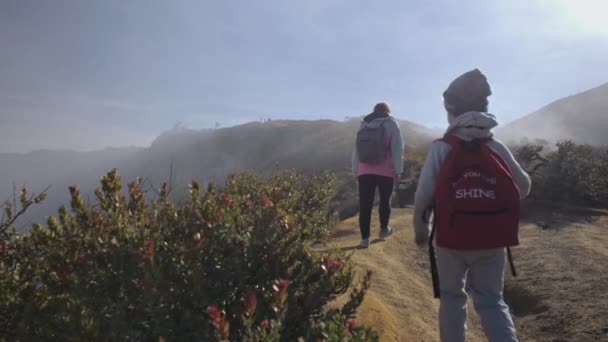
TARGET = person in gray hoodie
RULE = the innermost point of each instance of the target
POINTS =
(466, 103)
(382, 174)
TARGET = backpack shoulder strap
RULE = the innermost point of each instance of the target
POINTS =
(456, 142)
(499, 159)
(452, 140)
(433, 263)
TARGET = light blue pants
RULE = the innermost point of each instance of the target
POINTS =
(485, 271)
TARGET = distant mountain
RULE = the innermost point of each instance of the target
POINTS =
(42, 168)
(306, 145)
(582, 118)
(181, 155)
(57, 169)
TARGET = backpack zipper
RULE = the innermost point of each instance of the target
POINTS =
(476, 213)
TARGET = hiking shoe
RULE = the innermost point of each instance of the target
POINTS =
(364, 243)
(384, 233)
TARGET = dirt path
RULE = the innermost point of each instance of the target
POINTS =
(400, 303)
(561, 293)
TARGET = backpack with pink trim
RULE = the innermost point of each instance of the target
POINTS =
(477, 203)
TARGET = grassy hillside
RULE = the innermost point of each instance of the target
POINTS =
(181, 155)
(582, 117)
(306, 145)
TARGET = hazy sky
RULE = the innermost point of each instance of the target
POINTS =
(89, 74)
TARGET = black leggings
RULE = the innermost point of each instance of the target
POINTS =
(367, 190)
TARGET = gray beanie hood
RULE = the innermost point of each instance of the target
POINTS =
(468, 92)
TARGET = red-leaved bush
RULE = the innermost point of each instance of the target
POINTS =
(229, 264)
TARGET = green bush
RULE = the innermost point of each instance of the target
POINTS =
(229, 264)
(346, 201)
(571, 173)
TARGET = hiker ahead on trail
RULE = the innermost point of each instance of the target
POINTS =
(474, 186)
(377, 163)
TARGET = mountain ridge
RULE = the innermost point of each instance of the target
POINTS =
(581, 117)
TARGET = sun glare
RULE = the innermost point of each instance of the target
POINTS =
(587, 15)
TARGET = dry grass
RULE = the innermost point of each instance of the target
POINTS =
(400, 303)
(561, 293)
(563, 279)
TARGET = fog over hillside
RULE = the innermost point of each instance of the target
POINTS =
(181, 155)
(582, 117)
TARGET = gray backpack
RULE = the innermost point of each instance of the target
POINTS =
(371, 142)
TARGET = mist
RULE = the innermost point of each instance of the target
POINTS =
(581, 118)
(89, 75)
(90, 86)
(181, 155)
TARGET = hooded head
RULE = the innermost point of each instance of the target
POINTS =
(466, 101)
(381, 110)
(467, 93)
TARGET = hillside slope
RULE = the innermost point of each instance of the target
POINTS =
(305, 145)
(181, 155)
(582, 117)
(560, 294)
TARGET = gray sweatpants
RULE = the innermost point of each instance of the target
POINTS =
(486, 278)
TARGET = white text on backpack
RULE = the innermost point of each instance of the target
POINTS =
(475, 193)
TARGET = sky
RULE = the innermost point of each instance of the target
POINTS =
(79, 74)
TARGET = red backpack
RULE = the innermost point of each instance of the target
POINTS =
(477, 203)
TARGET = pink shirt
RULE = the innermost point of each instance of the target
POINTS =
(384, 168)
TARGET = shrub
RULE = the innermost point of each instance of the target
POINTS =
(346, 201)
(229, 264)
(571, 173)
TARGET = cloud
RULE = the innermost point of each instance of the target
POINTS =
(76, 123)
(60, 134)
(140, 66)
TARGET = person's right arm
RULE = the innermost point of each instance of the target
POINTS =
(396, 148)
(521, 178)
(355, 157)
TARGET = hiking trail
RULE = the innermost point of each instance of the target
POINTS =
(560, 294)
